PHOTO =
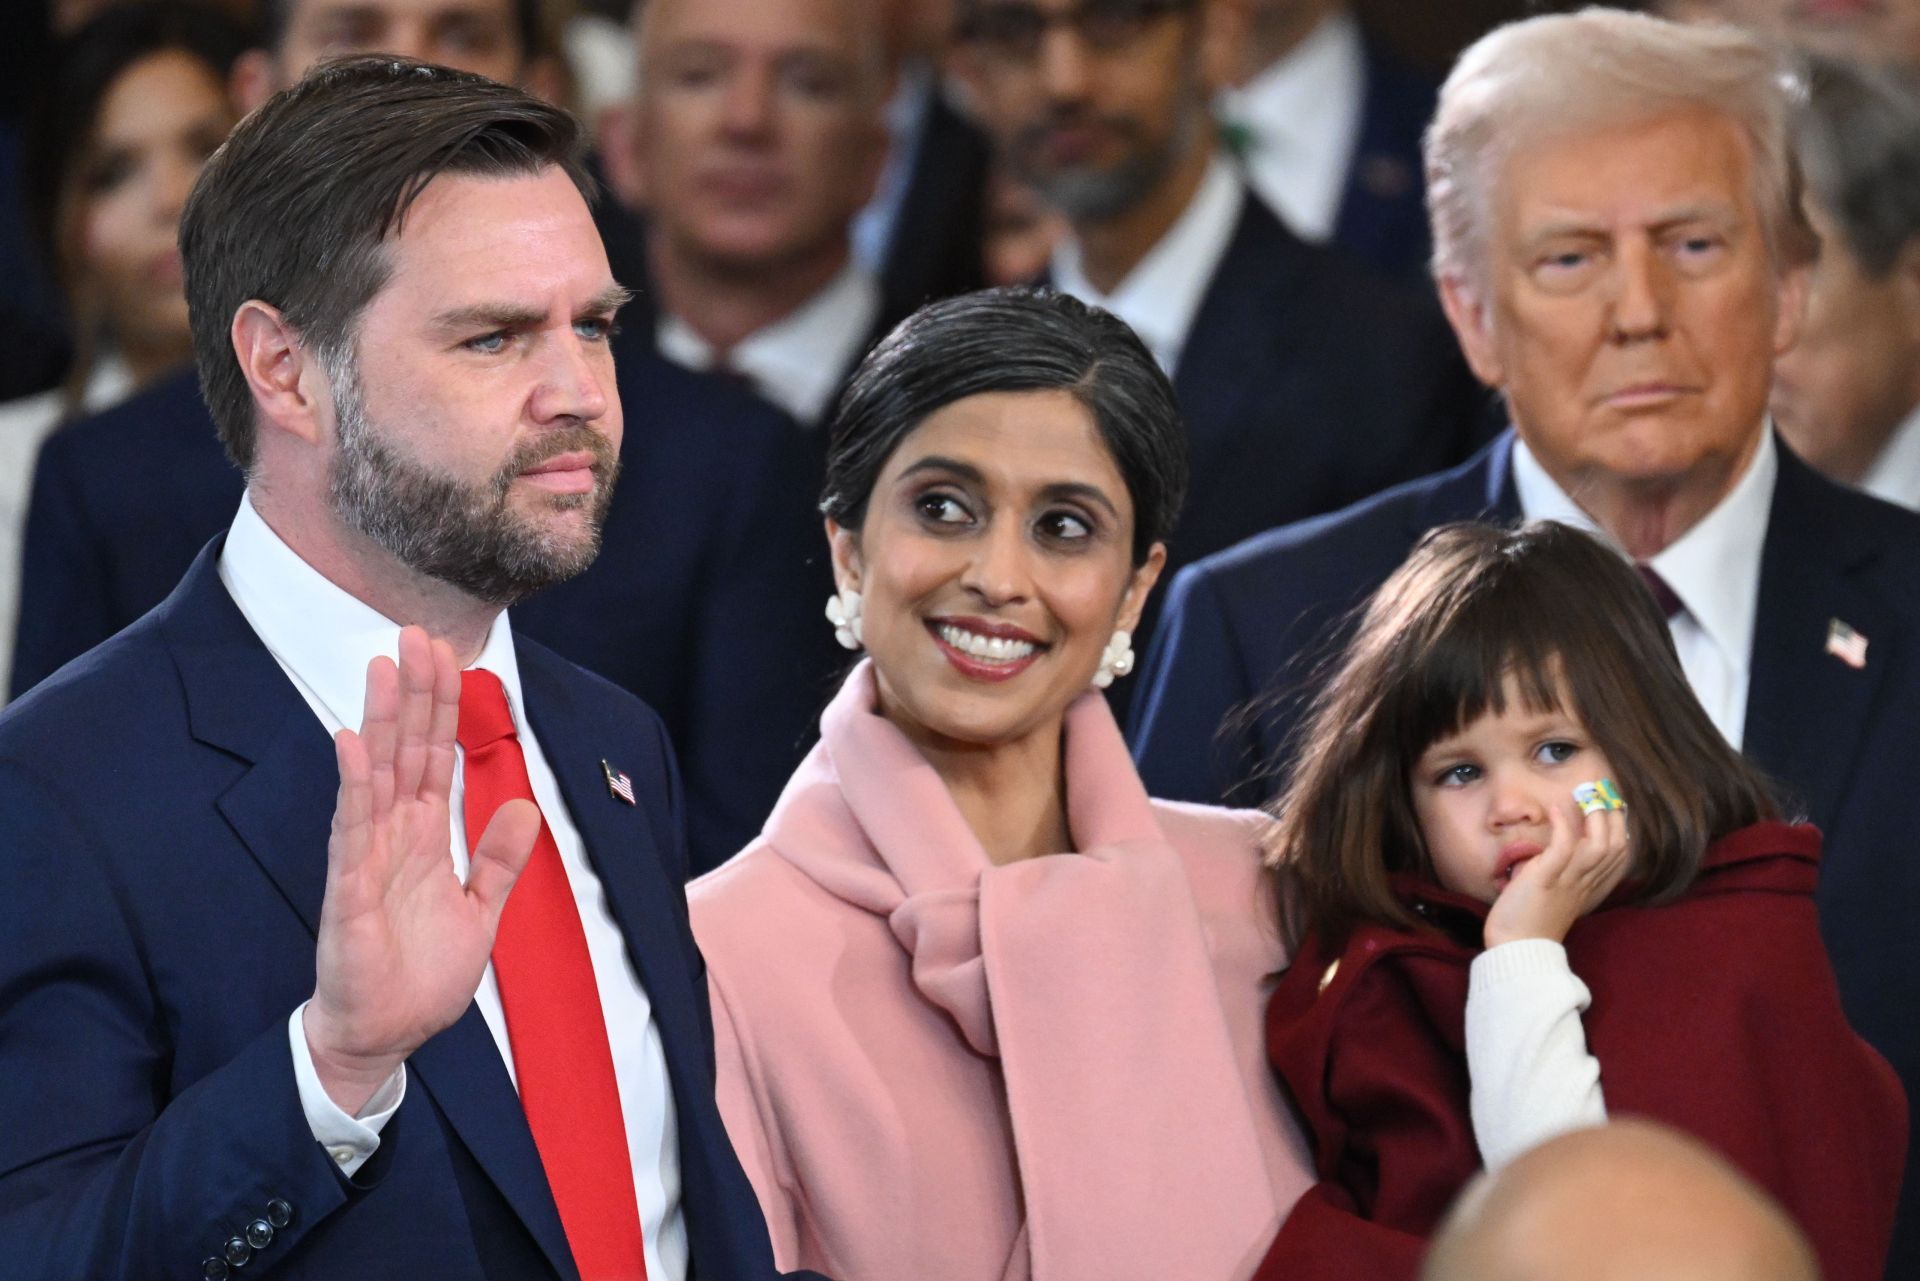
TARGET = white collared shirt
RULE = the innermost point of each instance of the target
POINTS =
(1895, 474)
(1161, 295)
(799, 361)
(323, 638)
(1302, 117)
(1714, 568)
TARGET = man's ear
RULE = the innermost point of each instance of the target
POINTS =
(1467, 312)
(252, 80)
(843, 545)
(618, 129)
(288, 386)
(1791, 300)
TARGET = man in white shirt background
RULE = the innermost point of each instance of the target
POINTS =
(1847, 397)
(754, 138)
(1328, 123)
(1306, 381)
(226, 1045)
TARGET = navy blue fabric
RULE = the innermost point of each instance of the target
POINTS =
(937, 246)
(164, 806)
(705, 600)
(1383, 213)
(1254, 622)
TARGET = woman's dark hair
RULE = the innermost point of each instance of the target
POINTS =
(81, 71)
(1013, 339)
(1567, 619)
(64, 112)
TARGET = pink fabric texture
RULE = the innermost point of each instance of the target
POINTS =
(941, 1069)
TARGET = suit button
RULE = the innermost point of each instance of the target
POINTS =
(238, 1251)
(214, 1268)
(279, 1212)
(259, 1234)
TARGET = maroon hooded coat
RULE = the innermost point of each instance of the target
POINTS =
(1716, 1014)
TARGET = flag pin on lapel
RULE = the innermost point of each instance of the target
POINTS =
(1845, 644)
(618, 784)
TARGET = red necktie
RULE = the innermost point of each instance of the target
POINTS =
(554, 1022)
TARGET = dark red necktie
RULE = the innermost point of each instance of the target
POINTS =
(554, 1020)
(1663, 595)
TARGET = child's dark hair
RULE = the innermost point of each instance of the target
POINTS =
(1565, 617)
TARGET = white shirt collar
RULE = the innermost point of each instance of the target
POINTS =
(1714, 568)
(1161, 295)
(1895, 474)
(799, 361)
(1302, 115)
(321, 635)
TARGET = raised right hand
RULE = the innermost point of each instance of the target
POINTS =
(403, 943)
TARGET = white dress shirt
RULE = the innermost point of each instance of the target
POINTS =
(1895, 474)
(323, 638)
(1714, 568)
(799, 361)
(1161, 295)
(1302, 119)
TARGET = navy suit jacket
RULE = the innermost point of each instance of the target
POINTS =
(164, 808)
(1382, 219)
(937, 245)
(705, 600)
(1308, 383)
(1254, 622)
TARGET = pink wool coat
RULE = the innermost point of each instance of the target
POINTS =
(938, 1069)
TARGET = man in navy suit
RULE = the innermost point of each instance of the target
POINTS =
(230, 1040)
(1634, 273)
(1328, 123)
(1306, 382)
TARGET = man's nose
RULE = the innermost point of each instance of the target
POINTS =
(748, 107)
(1064, 62)
(1642, 294)
(576, 381)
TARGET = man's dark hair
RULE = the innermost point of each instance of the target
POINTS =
(1859, 141)
(1013, 339)
(296, 208)
(274, 17)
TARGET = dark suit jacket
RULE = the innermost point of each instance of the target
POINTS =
(1307, 384)
(705, 600)
(1383, 213)
(936, 248)
(1254, 621)
(164, 807)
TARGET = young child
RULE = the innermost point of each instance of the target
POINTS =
(1443, 889)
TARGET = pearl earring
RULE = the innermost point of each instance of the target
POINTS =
(843, 611)
(1116, 660)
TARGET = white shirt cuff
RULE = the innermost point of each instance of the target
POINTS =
(349, 1140)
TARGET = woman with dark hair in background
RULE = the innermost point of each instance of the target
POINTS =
(983, 1010)
(128, 109)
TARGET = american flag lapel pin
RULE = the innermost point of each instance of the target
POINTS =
(618, 784)
(1845, 644)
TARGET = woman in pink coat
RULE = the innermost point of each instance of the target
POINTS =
(983, 1010)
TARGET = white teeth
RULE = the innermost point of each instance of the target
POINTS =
(991, 649)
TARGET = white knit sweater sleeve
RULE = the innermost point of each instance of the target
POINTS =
(1532, 1077)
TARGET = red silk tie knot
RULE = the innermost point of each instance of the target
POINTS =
(484, 716)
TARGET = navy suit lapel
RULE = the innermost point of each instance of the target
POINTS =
(1229, 357)
(281, 809)
(1806, 709)
(1481, 488)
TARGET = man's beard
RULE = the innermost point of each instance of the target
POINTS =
(467, 536)
(1092, 196)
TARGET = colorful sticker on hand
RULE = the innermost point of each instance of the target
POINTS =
(1598, 795)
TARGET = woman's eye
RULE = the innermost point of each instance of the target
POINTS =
(1456, 775)
(942, 509)
(1065, 527)
(1558, 752)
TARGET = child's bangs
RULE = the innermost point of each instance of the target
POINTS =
(1470, 657)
